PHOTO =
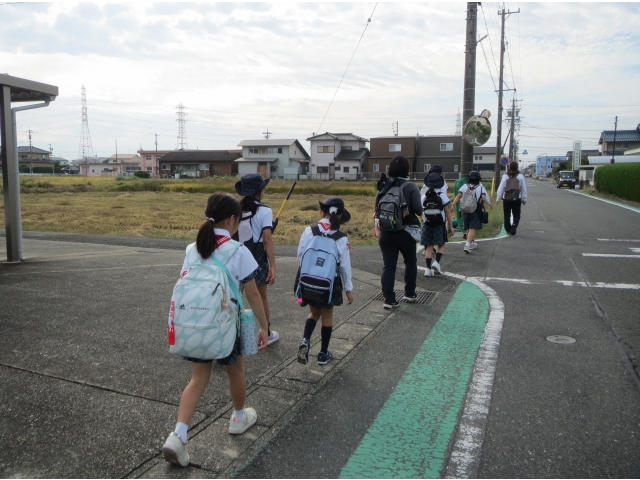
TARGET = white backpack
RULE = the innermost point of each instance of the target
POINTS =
(469, 202)
(203, 321)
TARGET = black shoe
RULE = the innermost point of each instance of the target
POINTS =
(391, 305)
(513, 229)
(410, 298)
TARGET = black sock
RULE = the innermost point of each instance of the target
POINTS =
(325, 333)
(308, 328)
(438, 257)
(428, 263)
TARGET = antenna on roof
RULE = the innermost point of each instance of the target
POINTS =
(267, 134)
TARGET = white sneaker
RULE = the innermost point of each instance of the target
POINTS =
(473, 245)
(435, 266)
(175, 451)
(428, 272)
(468, 248)
(274, 337)
(237, 426)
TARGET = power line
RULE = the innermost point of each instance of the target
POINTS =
(345, 72)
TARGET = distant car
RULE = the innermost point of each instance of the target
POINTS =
(566, 179)
(526, 175)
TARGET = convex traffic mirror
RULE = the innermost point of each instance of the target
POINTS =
(477, 130)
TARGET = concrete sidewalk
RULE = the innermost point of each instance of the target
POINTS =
(89, 387)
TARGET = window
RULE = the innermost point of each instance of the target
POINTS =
(446, 147)
(274, 150)
(132, 169)
(355, 169)
(427, 167)
(149, 169)
(274, 168)
(164, 166)
(387, 168)
(147, 157)
(376, 167)
(346, 148)
(394, 147)
(327, 149)
(203, 166)
(253, 150)
(455, 168)
(338, 167)
(346, 169)
(323, 169)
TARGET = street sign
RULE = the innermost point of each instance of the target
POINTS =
(525, 152)
(504, 160)
(577, 154)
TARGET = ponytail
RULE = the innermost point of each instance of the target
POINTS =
(220, 206)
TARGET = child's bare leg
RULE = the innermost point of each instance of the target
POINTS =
(327, 317)
(237, 383)
(201, 373)
(265, 302)
(471, 235)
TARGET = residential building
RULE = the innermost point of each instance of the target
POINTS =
(384, 149)
(545, 164)
(271, 158)
(625, 140)
(484, 159)
(339, 156)
(199, 163)
(34, 160)
(150, 160)
(117, 164)
(585, 154)
(443, 150)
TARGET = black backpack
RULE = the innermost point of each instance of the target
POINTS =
(432, 209)
(389, 209)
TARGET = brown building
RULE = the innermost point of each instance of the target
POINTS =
(384, 149)
(443, 150)
(200, 163)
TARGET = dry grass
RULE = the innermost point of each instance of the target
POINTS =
(88, 205)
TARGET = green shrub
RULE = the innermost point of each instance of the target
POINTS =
(620, 179)
(142, 174)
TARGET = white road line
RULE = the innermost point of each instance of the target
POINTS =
(131, 267)
(616, 240)
(622, 205)
(467, 446)
(609, 255)
(565, 283)
(635, 250)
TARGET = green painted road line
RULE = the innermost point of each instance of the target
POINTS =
(410, 436)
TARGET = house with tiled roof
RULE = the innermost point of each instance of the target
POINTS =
(199, 163)
(338, 156)
(625, 140)
(273, 158)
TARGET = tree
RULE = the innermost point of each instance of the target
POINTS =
(142, 174)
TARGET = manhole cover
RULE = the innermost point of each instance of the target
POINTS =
(561, 339)
(424, 298)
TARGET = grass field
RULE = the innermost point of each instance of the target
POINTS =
(175, 208)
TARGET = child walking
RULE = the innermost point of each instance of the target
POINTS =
(436, 218)
(473, 220)
(333, 214)
(223, 214)
(260, 219)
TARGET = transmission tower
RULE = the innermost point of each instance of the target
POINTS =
(458, 124)
(182, 127)
(86, 150)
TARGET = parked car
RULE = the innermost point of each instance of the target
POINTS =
(566, 179)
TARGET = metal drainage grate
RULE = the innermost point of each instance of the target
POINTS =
(424, 298)
(561, 339)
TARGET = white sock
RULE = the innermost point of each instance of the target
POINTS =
(239, 414)
(181, 430)
(468, 244)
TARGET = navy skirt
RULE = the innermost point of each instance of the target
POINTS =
(263, 264)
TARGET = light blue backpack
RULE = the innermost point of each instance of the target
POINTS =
(203, 320)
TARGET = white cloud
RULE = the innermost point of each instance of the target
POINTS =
(243, 68)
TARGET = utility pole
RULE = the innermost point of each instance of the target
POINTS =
(31, 160)
(469, 104)
(157, 161)
(615, 134)
(267, 134)
(182, 127)
(496, 172)
(513, 123)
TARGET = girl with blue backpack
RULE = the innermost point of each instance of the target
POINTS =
(323, 253)
(223, 215)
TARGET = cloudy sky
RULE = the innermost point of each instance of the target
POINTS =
(241, 69)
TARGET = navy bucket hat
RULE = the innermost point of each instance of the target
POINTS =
(433, 180)
(339, 204)
(250, 183)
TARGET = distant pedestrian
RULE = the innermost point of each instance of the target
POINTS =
(333, 214)
(257, 221)
(473, 220)
(436, 220)
(513, 190)
(223, 214)
(394, 241)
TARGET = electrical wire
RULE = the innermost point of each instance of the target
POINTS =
(345, 72)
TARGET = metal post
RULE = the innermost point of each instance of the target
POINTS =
(10, 180)
(615, 134)
(513, 122)
(466, 150)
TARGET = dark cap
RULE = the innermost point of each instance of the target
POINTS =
(474, 175)
(336, 202)
(436, 169)
(250, 183)
(434, 180)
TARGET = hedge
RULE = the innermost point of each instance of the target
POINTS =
(621, 180)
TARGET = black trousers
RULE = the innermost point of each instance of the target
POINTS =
(509, 206)
(392, 244)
